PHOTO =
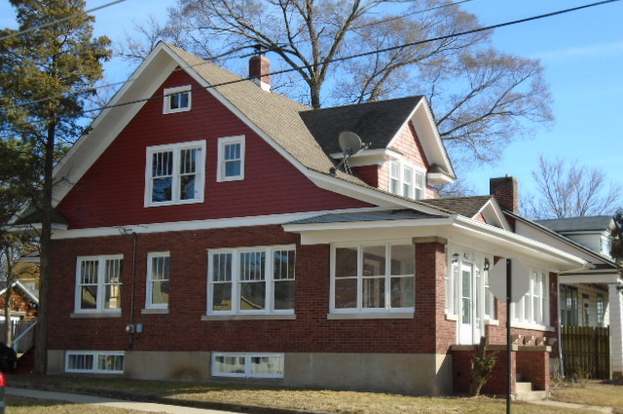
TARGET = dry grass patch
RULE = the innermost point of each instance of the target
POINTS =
(243, 398)
(17, 405)
(591, 393)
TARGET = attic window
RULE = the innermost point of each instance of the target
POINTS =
(177, 99)
(407, 180)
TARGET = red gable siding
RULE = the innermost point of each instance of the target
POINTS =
(112, 191)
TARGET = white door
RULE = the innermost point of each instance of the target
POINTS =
(470, 314)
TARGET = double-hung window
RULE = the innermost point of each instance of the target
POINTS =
(532, 308)
(175, 174)
(177, 99)
(254, 280)
(406, 180)
(490, 309)
(375, 277)
(230, 158)
(98, 284)
(158, 278)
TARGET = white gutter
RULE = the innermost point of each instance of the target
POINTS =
(379, 224)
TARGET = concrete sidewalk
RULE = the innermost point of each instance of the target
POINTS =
(560, 404)
(108, 402)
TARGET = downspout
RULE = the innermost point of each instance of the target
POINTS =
(559, 327)
(132, 290)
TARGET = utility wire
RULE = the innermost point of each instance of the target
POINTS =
(377, 51)
(61, 20)
(368, 53)
(411, 13)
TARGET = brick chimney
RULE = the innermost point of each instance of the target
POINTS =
(506, 192)
(259, 71)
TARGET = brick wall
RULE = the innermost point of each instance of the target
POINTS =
(533, 366)
(182, 329)
(497, 384)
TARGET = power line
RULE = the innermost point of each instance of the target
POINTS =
(61, 20)
(377, 51)
(368, 53)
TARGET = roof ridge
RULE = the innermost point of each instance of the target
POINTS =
(361, 104)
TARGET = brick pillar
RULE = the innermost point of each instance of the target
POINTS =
(615, 303)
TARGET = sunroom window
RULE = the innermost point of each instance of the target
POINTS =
(256, 280)
(378, 277)
(174, 174)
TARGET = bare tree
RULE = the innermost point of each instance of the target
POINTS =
(482, 98)
(570, 190)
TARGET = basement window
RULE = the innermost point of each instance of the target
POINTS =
(94, 362)
(177, 99)
(247, 365)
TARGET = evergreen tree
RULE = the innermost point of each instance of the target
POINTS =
(39, 72)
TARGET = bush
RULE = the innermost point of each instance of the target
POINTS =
(8, 358)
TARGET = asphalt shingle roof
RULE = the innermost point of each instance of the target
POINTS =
(465, 206)
(375, 122)
(590, 223)
(376, 215)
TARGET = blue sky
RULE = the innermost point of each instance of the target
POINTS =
(582, 54)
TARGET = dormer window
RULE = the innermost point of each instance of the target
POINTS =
(175, 174)
(406, 180)
(177, 99)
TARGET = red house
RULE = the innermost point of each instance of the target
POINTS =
(211, 233)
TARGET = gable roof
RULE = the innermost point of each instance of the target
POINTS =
(465, 206)
(29, 294)
(273, 117)
(358, 216)
(375, 122)
(572, 224)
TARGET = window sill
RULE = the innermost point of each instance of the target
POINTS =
(228, 179)
(154, 311)
(450, 317)
(248, 317)
(385, 315)
(174, 203)
(94, 315)
(531, 326)
(492, 322)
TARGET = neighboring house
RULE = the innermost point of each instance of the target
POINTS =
(591, 298)
(208, 235)
(24, 305)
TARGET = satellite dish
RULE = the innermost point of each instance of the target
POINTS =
(350, 143)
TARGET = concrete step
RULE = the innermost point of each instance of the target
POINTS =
(523, 387)
(531, 396)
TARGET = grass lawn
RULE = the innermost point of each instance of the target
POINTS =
(257, 399)
(27, 406)
(591, 393)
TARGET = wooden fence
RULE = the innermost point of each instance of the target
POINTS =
(586, 351)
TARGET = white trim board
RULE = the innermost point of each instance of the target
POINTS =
(190, 225)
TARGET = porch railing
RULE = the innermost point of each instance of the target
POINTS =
(24, 341)
(586, 351)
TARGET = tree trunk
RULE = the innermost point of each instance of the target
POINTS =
(8, 337)
(45, 245)
(314, 92)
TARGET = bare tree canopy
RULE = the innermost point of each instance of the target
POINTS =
(567, 189)
(482, 97)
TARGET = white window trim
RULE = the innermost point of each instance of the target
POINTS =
(149, 287)
(95, 369)
(235, 281)
(166, 107)
(220, 165)
(176, 149)
(521, 322)
(360, 311)
(417, 169)
(247, 365)
(101, 263)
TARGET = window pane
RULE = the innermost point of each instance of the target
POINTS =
(407, 183)
(110, 362)
(80, 362)
(284, 294)
(402, 292)
(188, 160)
(374, 260)
(402, 260)
(174, 101)
(88, 272)
(162, 189)
(252, 295)
(160, 292)
(221, 267)
(187, 187)
(162, 164)
(267, 366)
(232, 168)
(283, 264)
(160, 268)
(183, 99)
(88, 297)
(221, 297)
(229, 365)
(232, 152)
(112, 297)
(345, 293)
(252, 265)
(374, 293)
(345, 261)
